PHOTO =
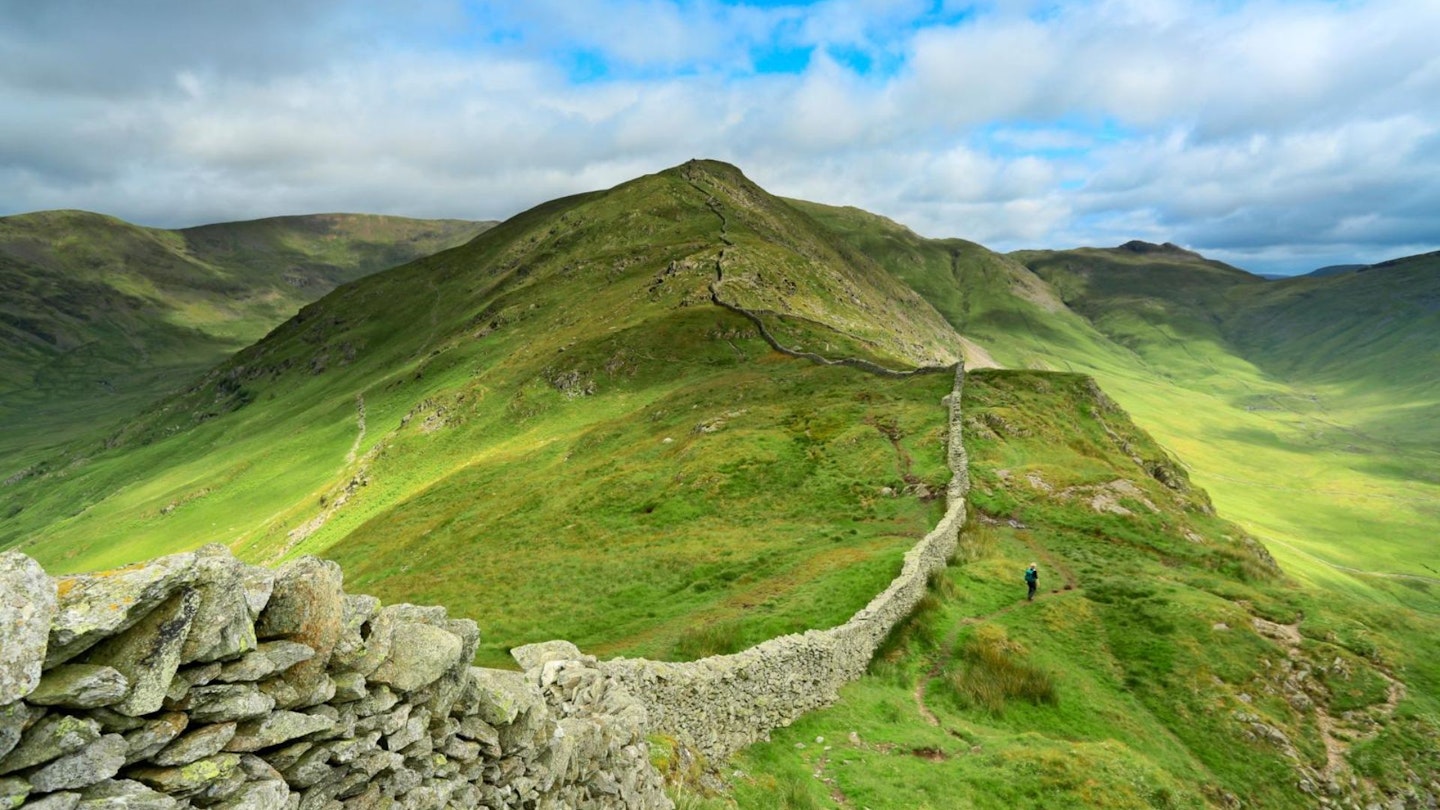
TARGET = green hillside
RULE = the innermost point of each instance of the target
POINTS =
(1267, 390)
(475, 427)
(1310, 405)
(99, 317)
(1164, 664)
(622, 418)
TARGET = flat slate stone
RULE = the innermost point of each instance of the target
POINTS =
(144, 742)
(123, 794)
(92, 607)
(27, 608)
(189, 780)
(197, 744)
(224, 702)
(148, 653)
(80, 686)
(267, 795)
(95, 762)
(276, 728)
(13, 791)
(64, 800)
(50, 737)
(14, 719)
(223, 627)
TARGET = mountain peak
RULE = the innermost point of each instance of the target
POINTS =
(1138, 246)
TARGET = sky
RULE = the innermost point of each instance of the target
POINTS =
(1279, 136)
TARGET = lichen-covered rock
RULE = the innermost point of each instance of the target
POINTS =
(309, 769)
(14, 719)
(269, 794)
(288, 696)
(64, 800)
(204, 777)
(115, 721)
(419, 655)
(224, 627)
(531, 656)
(196, 744)
(92, 607)
(194, 675)
(307, 606)
(276, 728)
(500, 696)
(13, 792)
(27, 608)
(224, 702)
(123, 794)
(95, 762)
(144, 742)
(80, 686)
(349, 687)
(148, 653)
(51, 737)
(250, 667)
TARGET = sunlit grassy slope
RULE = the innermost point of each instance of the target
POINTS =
(99, 317)
(553, 429)
(1307, 407)
(1139, 678)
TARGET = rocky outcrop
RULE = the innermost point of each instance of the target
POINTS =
(199, 681)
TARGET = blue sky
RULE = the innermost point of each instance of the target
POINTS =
(1279, 136)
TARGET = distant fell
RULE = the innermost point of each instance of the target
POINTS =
(99, 316)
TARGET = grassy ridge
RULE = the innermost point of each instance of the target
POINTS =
(99, 317)
(474, 429)
(1140, 677)
(1268, 391)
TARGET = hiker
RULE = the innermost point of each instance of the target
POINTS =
(1032, 577)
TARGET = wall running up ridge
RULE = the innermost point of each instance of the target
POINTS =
(720, 704)
(196, 680)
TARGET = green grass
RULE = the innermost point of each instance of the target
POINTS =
(1126, 682)
(1307, 407)
(98, 317)
(562, 436)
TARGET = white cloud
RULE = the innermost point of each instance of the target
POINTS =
(1261, 130)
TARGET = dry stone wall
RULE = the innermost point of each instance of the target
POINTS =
(196, 680)
(720, 704)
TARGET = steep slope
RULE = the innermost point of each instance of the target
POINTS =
(557, 429)
(1164, 663)
(1366, 337)
(1310, 408)
(99, 317)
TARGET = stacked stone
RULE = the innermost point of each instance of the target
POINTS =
(718, 705)
(198, 681)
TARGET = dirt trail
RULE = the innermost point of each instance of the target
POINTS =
(1336, 746)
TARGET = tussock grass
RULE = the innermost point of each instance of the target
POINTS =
(992, 670)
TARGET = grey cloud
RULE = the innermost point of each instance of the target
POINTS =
(1229, 133)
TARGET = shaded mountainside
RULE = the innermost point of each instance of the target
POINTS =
(99, 317)
(1166, 663)
(472, 428)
